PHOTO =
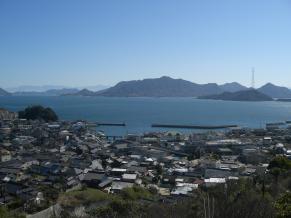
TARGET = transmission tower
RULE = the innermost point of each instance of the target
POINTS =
(253, 77)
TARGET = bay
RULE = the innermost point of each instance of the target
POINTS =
(140, 113)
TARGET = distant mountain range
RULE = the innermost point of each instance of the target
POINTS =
(31, 88)
(51, 92)
(244, 95)
(275, 91)
(84, 92)
(44, 88)
(30, 91)
(4, 93)
(169, 87)
(232, 87)
(161, 87)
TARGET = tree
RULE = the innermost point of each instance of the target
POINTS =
(283, 206)
(278, 166)
(280, 162)
(5, 213)
(159, 169)
(38, 113)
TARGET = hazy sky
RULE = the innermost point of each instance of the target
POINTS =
(88, 42)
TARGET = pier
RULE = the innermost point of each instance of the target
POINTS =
(105, 124)
(276, 124)
(113, 137)
(110, 124)
(193, 126)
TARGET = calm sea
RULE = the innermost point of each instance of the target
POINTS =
(140, 113)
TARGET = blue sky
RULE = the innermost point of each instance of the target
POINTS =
(89, 42)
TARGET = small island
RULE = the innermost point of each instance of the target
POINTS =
(245, 95)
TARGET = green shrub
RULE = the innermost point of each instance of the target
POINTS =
(136, 193)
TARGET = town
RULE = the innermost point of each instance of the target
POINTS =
(41, 162)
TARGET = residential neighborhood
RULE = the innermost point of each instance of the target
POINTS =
(41, 160)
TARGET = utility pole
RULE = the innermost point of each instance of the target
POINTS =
(212, 207)
(209, 215)
(205, 214)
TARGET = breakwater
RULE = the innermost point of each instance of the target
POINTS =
(193, 126)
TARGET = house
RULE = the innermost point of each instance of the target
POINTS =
(96, 165)
(72, 182)
(7, 115)
(47, 169)
(214, 181)
(121, 146)
(117, 186)
(224, 151)
(14, 188)
(137, 169)
(164, 191)
(93, 179)
(105, 183)
(248, 171)
(184, 188)
(129, 177)
(5, 155)
(218, 173)
(117, 171)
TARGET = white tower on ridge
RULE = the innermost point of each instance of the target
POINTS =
(253, 77)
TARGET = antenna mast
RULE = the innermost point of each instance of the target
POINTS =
(253, 77)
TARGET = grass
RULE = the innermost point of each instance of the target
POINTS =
(83, 197)
(89, 196)
(136, 193)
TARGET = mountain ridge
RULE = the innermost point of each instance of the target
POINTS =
(233, 87)
(244, 95)
(275, 91)
(50, 92)
(168, 87)
(160, 87)
(4, 92)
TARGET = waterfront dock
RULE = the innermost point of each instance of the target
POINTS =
(105, 124)
(110, 124)
(193, 126)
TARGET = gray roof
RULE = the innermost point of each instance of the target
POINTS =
(216, 173)
(121, 185)
(93, 176)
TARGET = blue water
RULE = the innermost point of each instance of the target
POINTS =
(140, 113)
